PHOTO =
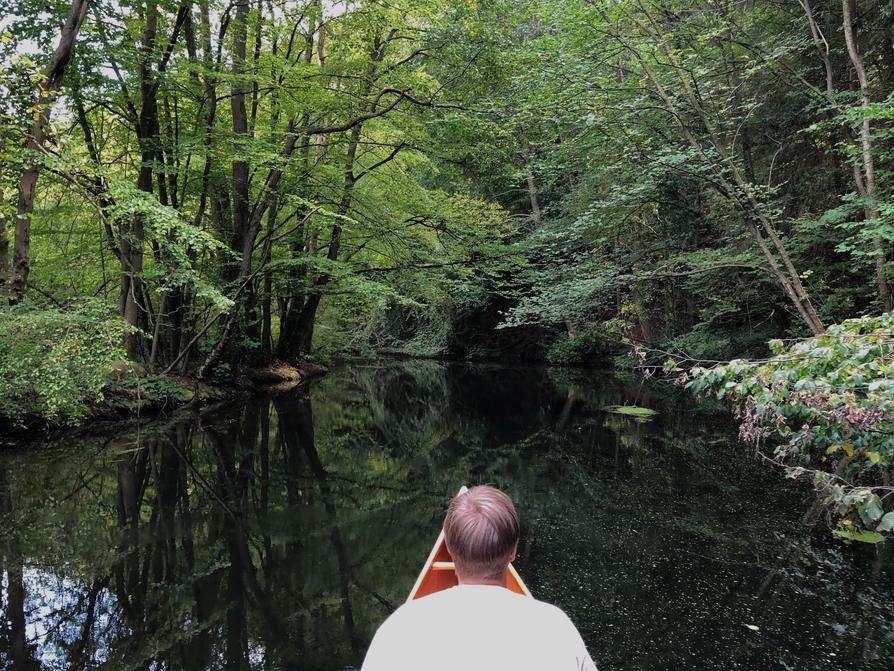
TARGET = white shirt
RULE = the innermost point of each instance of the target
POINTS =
(477, 628)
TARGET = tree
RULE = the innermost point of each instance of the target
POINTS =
(864, 177)
(263, 182)
(48, 86)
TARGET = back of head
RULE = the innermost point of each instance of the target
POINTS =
(481, 529)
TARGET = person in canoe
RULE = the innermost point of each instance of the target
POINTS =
(478, 624)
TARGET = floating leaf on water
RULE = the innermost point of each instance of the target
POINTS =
(862, 536)
(632, 411)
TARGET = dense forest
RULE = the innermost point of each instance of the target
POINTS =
(243, 182)
(203, 188)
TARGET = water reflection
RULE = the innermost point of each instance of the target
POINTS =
(277, 533)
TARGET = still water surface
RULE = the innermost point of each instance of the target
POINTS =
(277, 533)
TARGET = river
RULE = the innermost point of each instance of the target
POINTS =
(278, 532)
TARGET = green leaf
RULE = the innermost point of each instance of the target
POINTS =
(847, 447)
(860, 536)
(632, 410)
(887, 523)
(871, 510)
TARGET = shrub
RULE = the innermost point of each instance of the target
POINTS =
(582, 348)
(826, 404)
(54, 363)
(160, 390)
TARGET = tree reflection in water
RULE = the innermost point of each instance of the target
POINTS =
(279, 532)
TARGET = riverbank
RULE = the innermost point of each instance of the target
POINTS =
(130, 391)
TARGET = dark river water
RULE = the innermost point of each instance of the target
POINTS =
(277, 533)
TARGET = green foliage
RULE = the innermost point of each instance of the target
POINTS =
(54, 364)
(489, 165)
(861, 536)
(569, 292)
(581, 348)
(416, 330)
(827, 404)
(223, 373)
(700, 345)
(159, 390)
(176, 241)
(636, 220)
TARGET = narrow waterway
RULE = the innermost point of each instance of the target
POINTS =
(277, 533)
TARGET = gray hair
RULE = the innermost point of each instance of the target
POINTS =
(482, 532)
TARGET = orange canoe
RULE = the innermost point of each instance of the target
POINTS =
(438, 573)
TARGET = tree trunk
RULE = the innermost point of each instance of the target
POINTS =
(289, 342)
(822, 46)
(245, 231)
(53, 75)
(266, 318)
(4, 246)
(269, 191)
(98, 186)
(208, 111)
(240, 128)
(256, 56)
(156, 333)
(870, 194)
(302, 338)
(132, 242)
(134, 302)
(292, 306)
(535, 201)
